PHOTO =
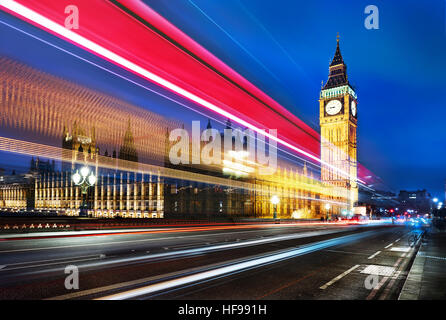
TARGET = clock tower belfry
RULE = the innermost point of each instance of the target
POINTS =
(338, 122)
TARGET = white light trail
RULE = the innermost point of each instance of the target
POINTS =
(101, 51)
(218, 272)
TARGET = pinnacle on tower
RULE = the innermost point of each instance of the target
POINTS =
(338, 70)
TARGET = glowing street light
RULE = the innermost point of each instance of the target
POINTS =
(435, 200)
(275, 201)
(84, 180)
(327, 207)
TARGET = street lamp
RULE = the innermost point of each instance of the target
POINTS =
(275, 201)
(84, 180)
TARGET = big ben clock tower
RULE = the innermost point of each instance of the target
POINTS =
(338, 122)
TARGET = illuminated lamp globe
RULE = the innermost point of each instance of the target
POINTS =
(85, 171)
(76, 178)
(92, 179)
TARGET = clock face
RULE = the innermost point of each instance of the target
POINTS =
(333, 107)
(353, 107)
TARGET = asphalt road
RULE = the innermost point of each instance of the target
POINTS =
(211, 262)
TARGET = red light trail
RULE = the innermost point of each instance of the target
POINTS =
(155, 51)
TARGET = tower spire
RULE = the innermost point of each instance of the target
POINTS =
(338, 69)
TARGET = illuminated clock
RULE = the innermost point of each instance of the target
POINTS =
(353, 108)
(333, 107)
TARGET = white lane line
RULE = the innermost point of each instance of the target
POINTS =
(400, 249)
(329, 283)
(389, 245)
(379, 270)
(374, 255)
(397, 239)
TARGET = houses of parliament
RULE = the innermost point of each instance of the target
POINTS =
(138, 180)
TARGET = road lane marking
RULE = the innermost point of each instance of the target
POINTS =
(374, 255)
(389, 245)
(400, 249)
(379, 270)
(329, 283)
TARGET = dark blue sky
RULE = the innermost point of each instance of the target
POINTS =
(284, 47)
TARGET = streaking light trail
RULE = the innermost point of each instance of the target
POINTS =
(60, 30)
(234, 268)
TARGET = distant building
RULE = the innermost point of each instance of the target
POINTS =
(17, 191)
(419, 201)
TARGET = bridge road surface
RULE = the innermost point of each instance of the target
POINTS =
(271, 261)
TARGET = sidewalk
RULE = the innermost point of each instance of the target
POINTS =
(427, 277)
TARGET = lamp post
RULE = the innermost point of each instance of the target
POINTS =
(84, 180)
(435, 201)
(327, 207)
(275, 201)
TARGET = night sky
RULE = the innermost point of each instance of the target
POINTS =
(284, 47)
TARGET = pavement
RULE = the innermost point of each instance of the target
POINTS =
(427, 277)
